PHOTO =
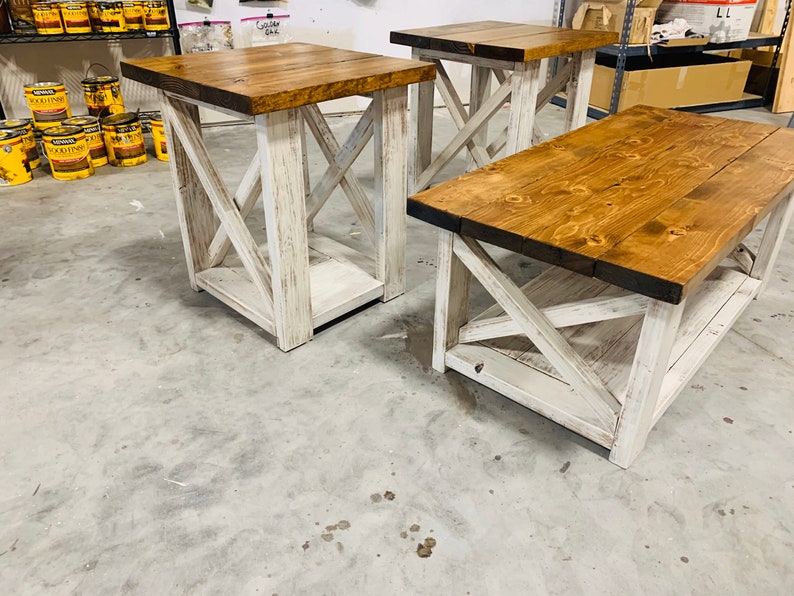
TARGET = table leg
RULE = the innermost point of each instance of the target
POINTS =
(578, 90)
(391, 157)
(776, 227)
(453, 282)
(651, 360)
(278, 138)
(194, 209)
(480, 90)
(421, 126)
(523, 100)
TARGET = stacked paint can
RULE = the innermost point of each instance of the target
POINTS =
(28, 140)
(14, 166)
(93, 136)
(158, 137)
(47, 18)
(75, 17)
(133, 14)
(48, 104)
(68, 152)
(155, 15)
(123, 135)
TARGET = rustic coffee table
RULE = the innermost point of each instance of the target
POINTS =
(298, 280)
(513, 53)
(642, 217)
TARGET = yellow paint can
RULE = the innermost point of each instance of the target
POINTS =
(158, 137)
(28, 140)
(14, 167)
(93, 136)
(155, 15)
(133, 14)
(111, 16)
(67, 150)
(103, 95)
(48, 104)
(47, 18)
(75, 17)
(124, 139)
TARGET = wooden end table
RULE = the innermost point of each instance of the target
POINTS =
(513, 53)
(299, 280)
(642, 217)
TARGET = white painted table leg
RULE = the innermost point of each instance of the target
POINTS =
(278, 138)
(421, 127)
(452, 299)
(657, 337)
(776, 227)
(578, 90)
(193, 206)
(523, 100)
(480, 89)
(391, 192)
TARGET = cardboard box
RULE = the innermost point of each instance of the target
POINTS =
(609, 15)
(721, 20)
(670, 81)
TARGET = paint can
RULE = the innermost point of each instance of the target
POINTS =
(124, 139)
(28, 140)
(14, 167)
(47, 18)
(93, 15)
(93, 136)
(102, 95)
(67, 150)
(75, 17)
(48, 103)
(111, 16)
(133, 14)
(155, 15)
(158, 136)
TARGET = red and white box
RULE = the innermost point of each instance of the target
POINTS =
(721, 20)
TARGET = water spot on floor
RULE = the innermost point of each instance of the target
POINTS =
(343, 524)
(425, 549)
(419, 343)
(327, 537)
(743, 388)
(403, 534)
(497, 457)
(727, 420)
(565, 467)
(389, 496)
(698, 387)
(238, 337)
(523, 431)
(415, 528)
(305, 546)
(90, 566)
(685, 559)
(491, 491)
(375, 498)
(331, 528)
(340, 547)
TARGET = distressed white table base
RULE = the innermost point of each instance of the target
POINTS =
(299, 280)
(519, 84)
(597, 359)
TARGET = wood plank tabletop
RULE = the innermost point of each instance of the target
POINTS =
(649, 199)
(499, 40)
(269, 78)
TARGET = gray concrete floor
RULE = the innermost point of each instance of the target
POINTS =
(154, 442)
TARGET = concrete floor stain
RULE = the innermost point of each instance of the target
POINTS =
(425, 549)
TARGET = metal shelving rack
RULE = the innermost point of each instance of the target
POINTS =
(623, 50)
(172, 32)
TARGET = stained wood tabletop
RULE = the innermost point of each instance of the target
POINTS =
(499, 40)
(649, 199)
(266, 79)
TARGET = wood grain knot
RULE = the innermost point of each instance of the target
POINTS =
(517, 199)
(595, 240)
(678, 231)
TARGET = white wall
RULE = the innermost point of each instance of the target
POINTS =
(351, 24)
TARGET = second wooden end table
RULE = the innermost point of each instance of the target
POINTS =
(299, 280)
